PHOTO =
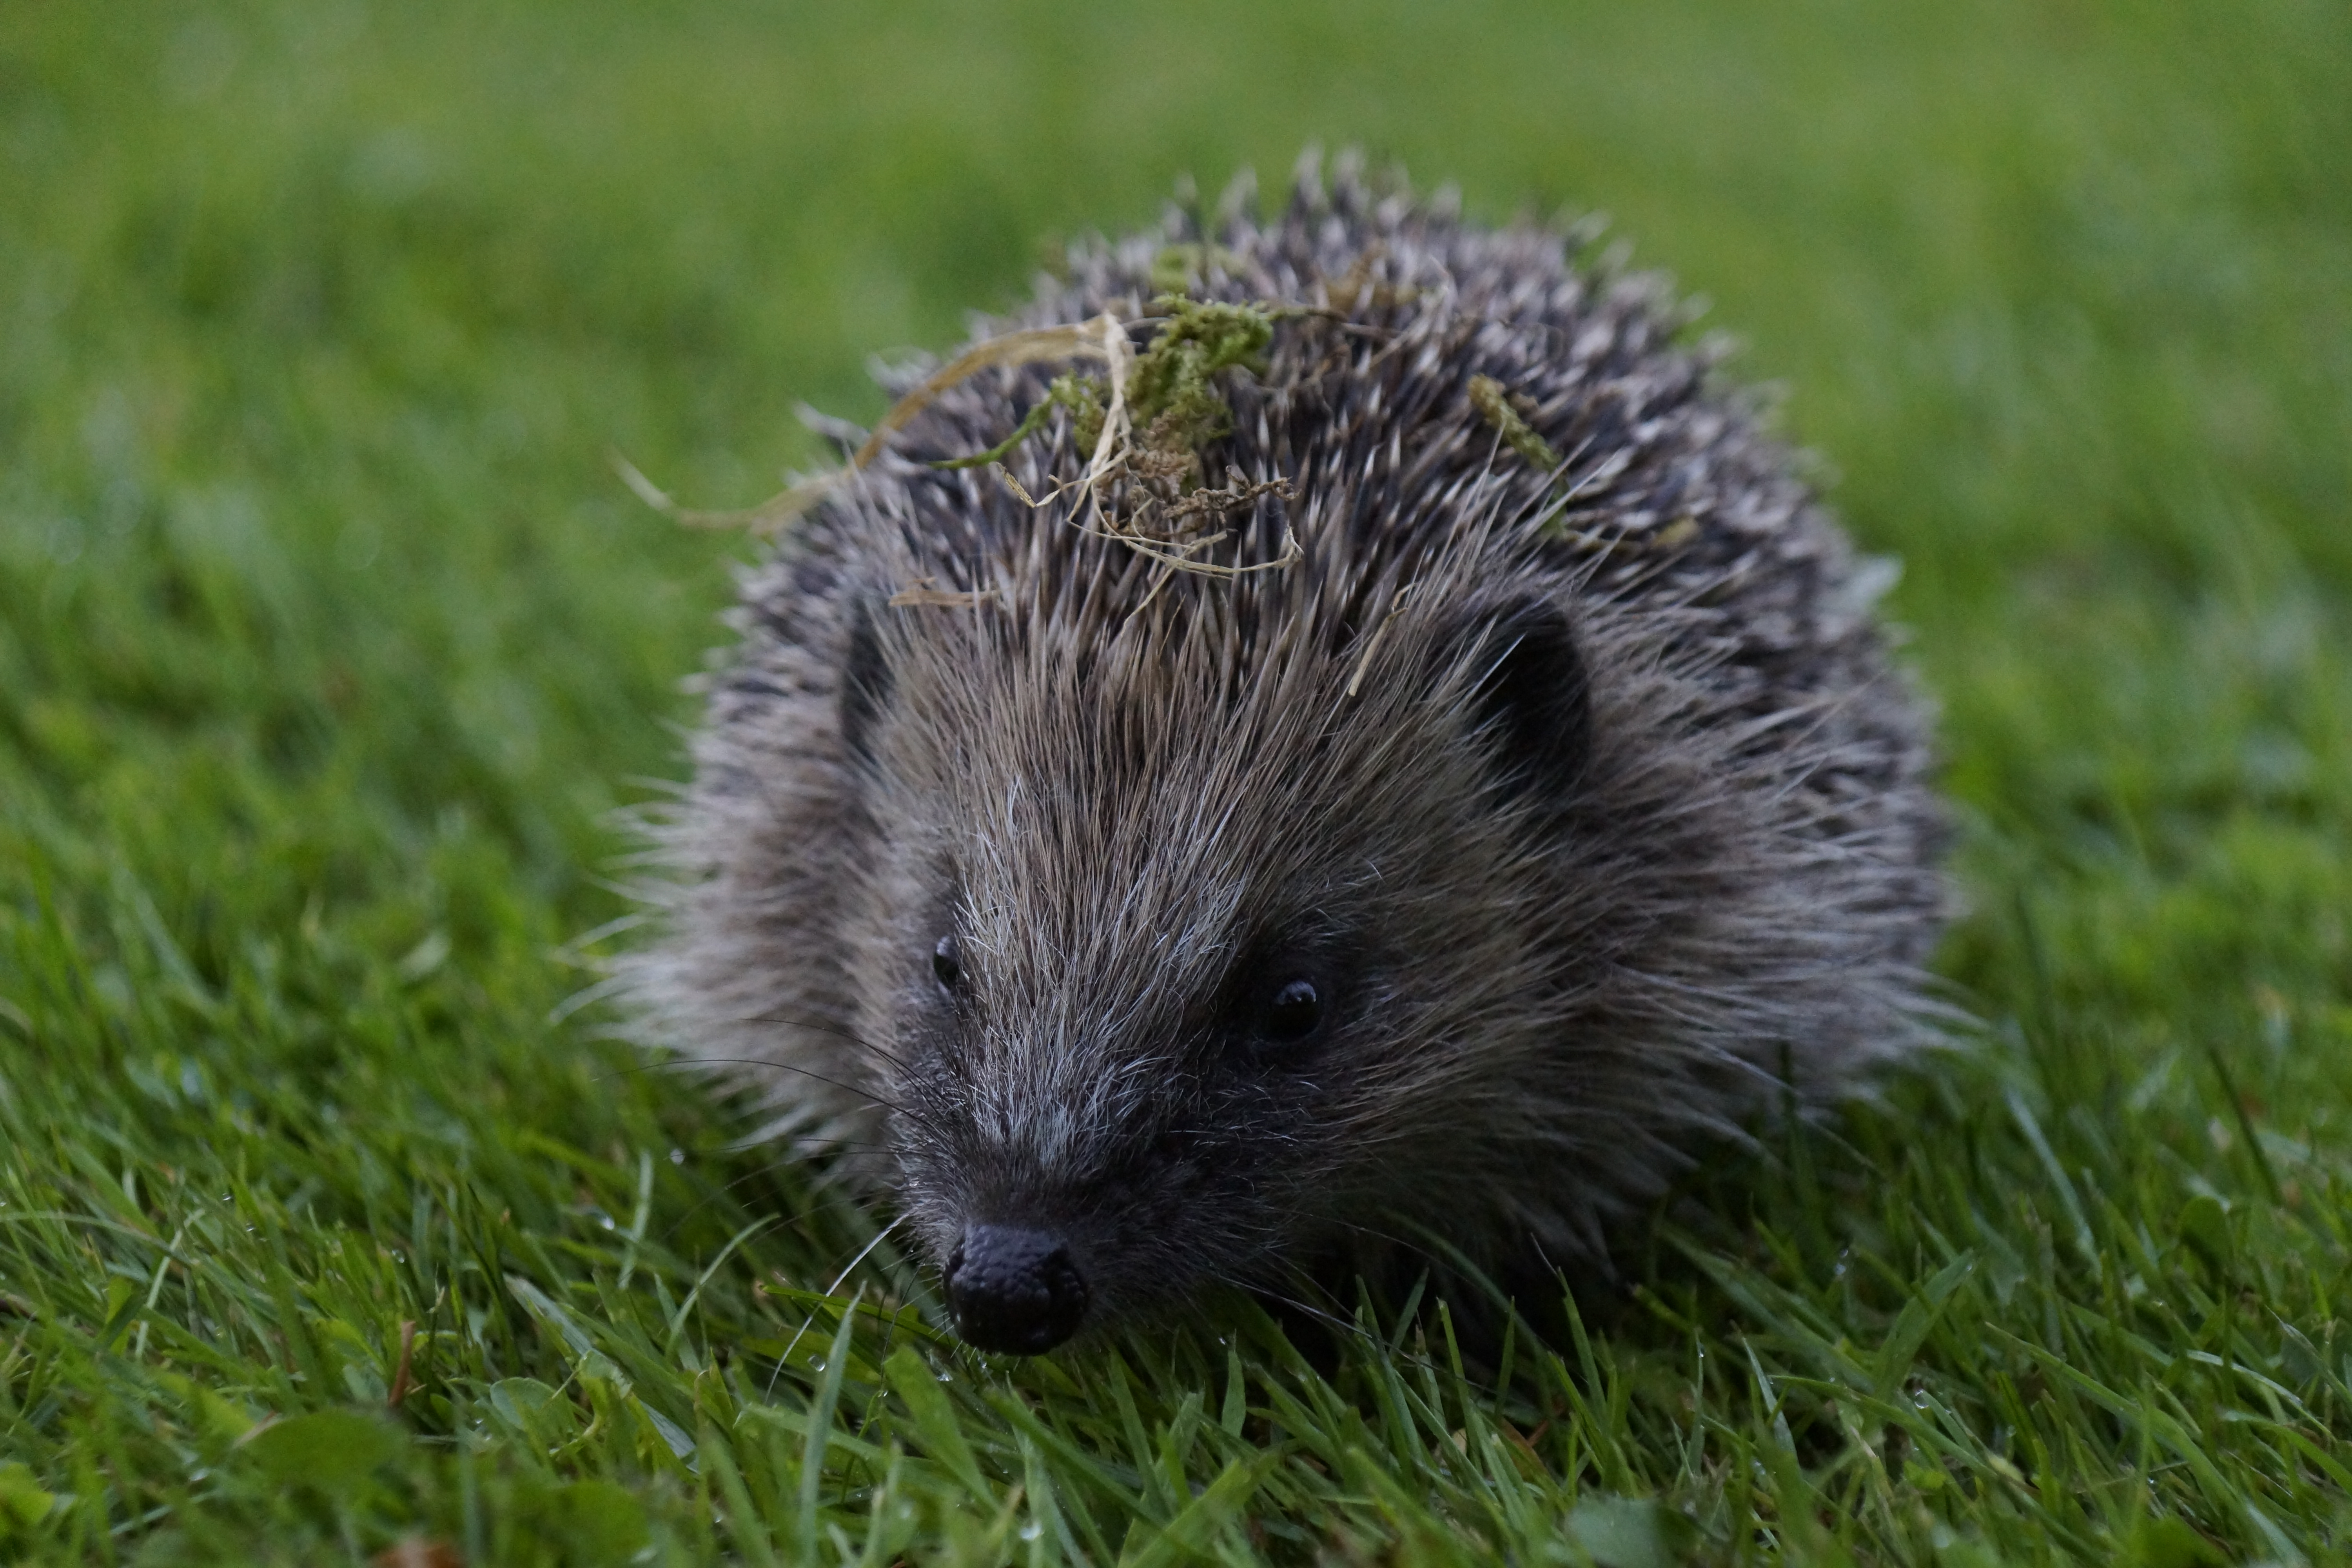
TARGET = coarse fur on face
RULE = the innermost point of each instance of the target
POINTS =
(1585, 806)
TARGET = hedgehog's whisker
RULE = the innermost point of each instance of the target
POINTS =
(925, 1122)
(863, 1253)
(799, 1021)
(1328, 1319)
(833, 1289)
(720, 1191)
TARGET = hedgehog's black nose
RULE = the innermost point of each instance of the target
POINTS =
(1014, 1289)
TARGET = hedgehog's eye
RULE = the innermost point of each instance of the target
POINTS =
(1293, 1011)
(947, 963)
(1284, 1004)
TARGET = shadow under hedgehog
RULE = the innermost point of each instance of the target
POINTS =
(1430, 770)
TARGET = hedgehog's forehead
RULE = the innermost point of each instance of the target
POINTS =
(1084, 855)
(1092, 819)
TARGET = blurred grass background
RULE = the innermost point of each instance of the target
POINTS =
(328, 643)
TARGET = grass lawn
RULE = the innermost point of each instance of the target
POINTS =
(330, 647)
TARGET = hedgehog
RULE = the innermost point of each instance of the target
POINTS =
(1347, 736)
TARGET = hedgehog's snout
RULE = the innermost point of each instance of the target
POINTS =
(1013, 1289)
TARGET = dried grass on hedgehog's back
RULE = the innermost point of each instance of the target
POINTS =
(1170, 388)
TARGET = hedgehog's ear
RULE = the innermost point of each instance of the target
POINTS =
(1529, 696)
(867, 681)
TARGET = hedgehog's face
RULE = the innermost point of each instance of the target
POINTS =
(1071, 1156)
(1174, 981)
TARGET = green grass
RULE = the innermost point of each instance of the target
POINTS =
(328, 646)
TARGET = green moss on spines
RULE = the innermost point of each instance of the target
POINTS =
(1173, 400)
(1494, 405)
(1170, 392)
